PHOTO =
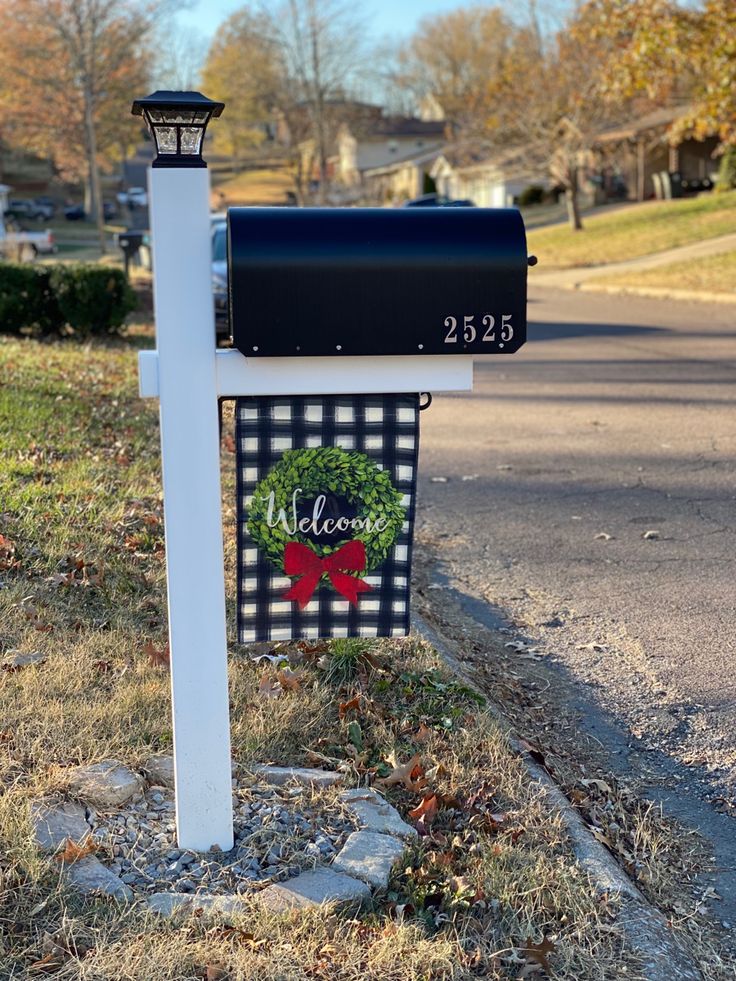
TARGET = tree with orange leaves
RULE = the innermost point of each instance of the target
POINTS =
(68, 72)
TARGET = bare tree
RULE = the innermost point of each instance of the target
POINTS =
(322, 43)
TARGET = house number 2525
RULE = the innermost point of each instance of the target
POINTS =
(485, 331)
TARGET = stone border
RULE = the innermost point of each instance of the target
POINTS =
(362, 866)
(644, 927)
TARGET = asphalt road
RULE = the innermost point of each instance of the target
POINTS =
(590, 501)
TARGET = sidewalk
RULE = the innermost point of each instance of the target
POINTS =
(589, 277)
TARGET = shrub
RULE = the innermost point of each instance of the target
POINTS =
(727, 170)
(534, 194)
(27, 299)
(92, 299)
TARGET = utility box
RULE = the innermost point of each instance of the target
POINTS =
(314, 282)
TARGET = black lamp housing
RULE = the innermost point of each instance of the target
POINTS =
(177, 121)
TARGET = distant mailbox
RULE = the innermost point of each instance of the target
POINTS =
(372, 281)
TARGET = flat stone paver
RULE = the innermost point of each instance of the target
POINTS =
(305, 776)
(313, 889)
(168, 903)
(106, 785)
(375, 814)
(15, 660)
(89, 876)
(54, 823)
(160, 770)
(370, 857)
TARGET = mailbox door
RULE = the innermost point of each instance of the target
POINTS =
(374, 281)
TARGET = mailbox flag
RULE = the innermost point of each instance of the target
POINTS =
(326, 499)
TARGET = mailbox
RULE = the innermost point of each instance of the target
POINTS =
(376, 281)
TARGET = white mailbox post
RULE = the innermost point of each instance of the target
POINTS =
(188, 374)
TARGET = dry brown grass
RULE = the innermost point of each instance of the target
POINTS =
(80, 500)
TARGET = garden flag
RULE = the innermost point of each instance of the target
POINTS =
(326, 497)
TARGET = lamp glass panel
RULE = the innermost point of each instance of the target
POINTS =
(177, 116)
(201, 117)
(191, 139)
(165, 139)
(154, 116)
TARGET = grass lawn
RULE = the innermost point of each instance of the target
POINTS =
(251, 187)
(82, 582)
(713, 273)
(634, 231)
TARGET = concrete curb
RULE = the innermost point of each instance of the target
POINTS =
(655, 292)
(645, 928)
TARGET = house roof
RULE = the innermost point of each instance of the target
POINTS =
(426, 156)
(658, 119)
(407, 126)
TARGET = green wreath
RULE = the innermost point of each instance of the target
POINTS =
(318, 470)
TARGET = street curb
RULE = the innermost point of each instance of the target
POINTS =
(645, 929)
(656, 292)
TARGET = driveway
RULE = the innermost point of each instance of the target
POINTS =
(588, 500)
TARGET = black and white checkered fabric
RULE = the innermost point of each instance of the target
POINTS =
(383, 427)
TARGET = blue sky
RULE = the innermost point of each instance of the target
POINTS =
(392, 17)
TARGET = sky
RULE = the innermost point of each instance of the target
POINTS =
(386, 17)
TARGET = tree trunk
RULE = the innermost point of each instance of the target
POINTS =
(96, 210)
(573, 209)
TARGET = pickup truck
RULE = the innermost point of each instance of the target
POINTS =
(17, 246)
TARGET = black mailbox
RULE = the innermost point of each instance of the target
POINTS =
(131, 240)
(352, 281)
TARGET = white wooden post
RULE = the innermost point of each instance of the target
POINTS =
(187, 385)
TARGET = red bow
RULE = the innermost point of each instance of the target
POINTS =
(300, 560)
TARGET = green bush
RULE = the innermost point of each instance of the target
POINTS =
(92, 299)
(89, 299)
(726, 180)
(27, 299)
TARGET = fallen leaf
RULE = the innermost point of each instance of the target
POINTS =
(425, 813)
(410, 774)
(74, 851)
(352, 706)
(157, 658)
(269, 687)
(651, 535)
(290, 680)
(215, 972)
(422, 734)
(603, 536)
(228, 442)
(47, 965)
(539, 953)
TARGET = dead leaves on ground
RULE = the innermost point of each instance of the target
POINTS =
(74, 851)
(157, 657)
(8, 560)
(273, 686)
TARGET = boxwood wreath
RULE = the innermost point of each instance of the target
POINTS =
(319, 470)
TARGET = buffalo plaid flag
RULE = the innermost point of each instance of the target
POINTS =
(385, 428)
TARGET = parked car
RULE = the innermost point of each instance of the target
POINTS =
(30, 210)
(45, 205)
(219, 277)
(109, 210)
(435, 200)
(134, 197)
(75, 213)
(22, 246)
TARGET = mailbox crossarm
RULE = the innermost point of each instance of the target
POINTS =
(238, 375)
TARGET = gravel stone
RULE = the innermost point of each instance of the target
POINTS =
(374, 813)
(107, 784)
(54, 823)
(314, 888)
(89, 876)
(307, 777)
(160, 770)
(370, 857)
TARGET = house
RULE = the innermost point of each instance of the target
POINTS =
(400, 181)
(390, 151)
(488, 180)
(633, 154)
